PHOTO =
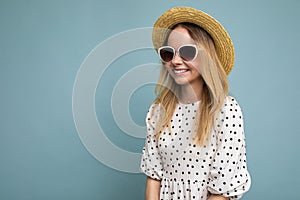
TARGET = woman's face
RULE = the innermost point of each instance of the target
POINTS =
(183, 72)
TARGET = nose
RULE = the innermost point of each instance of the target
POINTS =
(177, 60)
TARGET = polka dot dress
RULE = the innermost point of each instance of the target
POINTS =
(187, 171)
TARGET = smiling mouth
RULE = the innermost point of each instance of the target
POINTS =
(180, 71)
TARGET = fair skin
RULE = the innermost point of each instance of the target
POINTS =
(189, 80)
(191, 83)
(152, 189)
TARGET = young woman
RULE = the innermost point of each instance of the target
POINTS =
(195, 144)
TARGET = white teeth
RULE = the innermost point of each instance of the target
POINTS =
(180, 71)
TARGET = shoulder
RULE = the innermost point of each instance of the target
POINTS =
(231, 110)
(154, 109)
(153, 114)
(231, 105)
(230, 123)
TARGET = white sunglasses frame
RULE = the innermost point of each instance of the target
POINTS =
(188, 45)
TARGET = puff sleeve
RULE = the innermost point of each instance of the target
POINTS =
(151, 163)
(229, 175)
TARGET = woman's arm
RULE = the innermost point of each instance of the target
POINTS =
(217, 197)
(228, 171)
(152, 189)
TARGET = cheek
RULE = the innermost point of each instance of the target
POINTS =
(196, 65)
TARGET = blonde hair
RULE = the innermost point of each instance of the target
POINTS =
(214, 92)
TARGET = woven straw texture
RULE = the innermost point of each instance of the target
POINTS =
(223, 43)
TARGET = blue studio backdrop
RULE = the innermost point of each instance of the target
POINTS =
(50, 147)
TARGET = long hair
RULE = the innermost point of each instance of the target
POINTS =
(214, 92)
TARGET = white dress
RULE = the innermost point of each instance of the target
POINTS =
(187, 171)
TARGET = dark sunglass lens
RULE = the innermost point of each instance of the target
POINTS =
(166, 54)
(187, 53)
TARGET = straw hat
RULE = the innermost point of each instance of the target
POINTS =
(177, 15)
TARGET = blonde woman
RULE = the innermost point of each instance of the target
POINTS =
(195, 145)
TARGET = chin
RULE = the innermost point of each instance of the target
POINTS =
(181, 81)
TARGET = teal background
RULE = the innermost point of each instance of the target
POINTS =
(43, 44)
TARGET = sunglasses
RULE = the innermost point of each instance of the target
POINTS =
(186, 52)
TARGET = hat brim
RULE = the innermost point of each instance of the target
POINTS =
(221, 38)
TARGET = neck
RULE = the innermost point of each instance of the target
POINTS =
(190, 93)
